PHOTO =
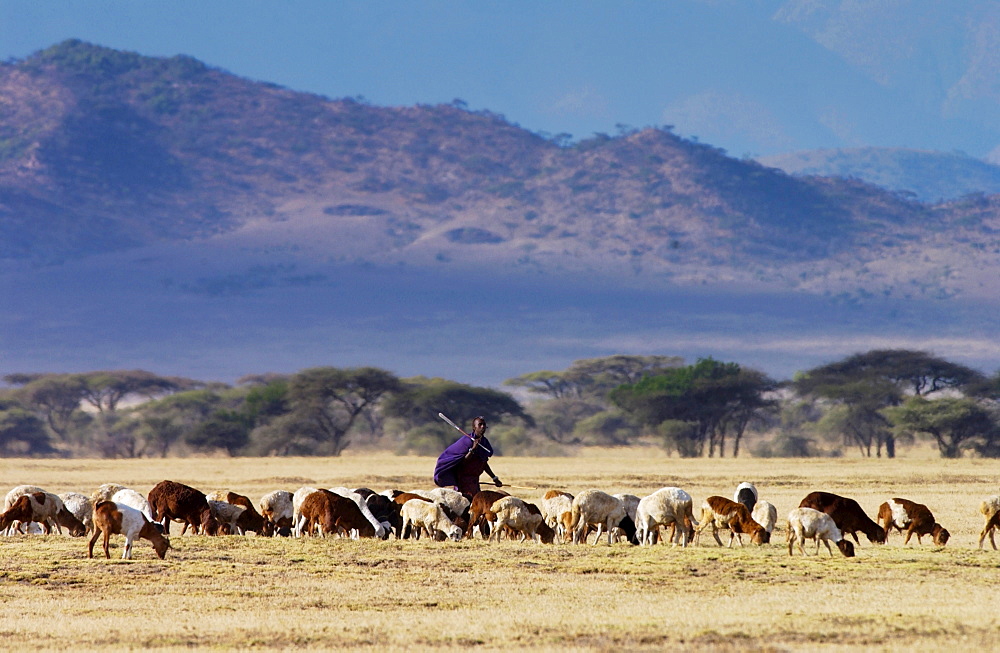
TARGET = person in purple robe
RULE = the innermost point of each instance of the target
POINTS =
(460, 465)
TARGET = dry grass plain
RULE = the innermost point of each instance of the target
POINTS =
(243, 593)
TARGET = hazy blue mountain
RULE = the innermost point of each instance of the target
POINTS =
(928, 176)
(160, 213)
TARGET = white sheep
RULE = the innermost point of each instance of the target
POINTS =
(428, 516)
(807, 523)
(131, 498)
(556, 504)
(276, 507)
(454, 500)
(515, 515)
(297, 499)
(105, 492)
(669, 506)
(597, 508)
(115, 518)
(765, 514)
(381, 530)
(226, 514)
(81, 507)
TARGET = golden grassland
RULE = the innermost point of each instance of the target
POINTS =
(248, 592)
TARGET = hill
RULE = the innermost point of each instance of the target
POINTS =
(160, 213)
(106, 150)
(926, 176)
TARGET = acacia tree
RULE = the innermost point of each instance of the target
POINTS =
(326, 401)
(421, 399)
(55, 398)
(865, 384)
(954, 423)
(697, 405)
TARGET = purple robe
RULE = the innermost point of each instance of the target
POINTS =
(453, 469)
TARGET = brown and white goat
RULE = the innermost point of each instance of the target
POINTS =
(112, 518)
(915, 518)
(720, 512)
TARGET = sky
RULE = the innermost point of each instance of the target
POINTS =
(723, 71)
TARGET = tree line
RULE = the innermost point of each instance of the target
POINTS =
(871, 401)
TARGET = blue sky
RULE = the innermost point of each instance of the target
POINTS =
(724, 71)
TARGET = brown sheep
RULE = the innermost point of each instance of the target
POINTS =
(334, 514)
(916, 518)
(990, 509)
(480, 514)
(847, 515)
(720, 512)
(175, 501)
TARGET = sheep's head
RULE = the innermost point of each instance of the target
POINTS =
(760, 536)
(455, 532)
(160, 545)
(940, 535)
(846, 548)
(878, 536)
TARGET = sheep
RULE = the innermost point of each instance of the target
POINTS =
(170, 500)
(601, 509)
(719, 512)
(297, 499)
(765, 514)
(481, 512)
(916, 518)
(47, 510)
(746, 493)
(81, 507)
(990, 509)
(246, 520)
(12, 496)
(631, 503)
(20, 512)
(669, 506)
(119, 519)
(226, 514)
(808, 523)
(129, 497)
(513, 513)
(451, 499)
(430, 517)
(277, 511)
(380, 528)
(847, 515)
(388, 511)
(105, 492)
(333, 513)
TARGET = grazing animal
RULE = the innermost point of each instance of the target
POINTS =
(379, 528)
(990, 509)
(602, 510)
(388, 511)
(429, 517)
(915, 518)
(105, 492)
(746, 493)
(112, 518)
(81, 507)
(277, 512)
(555, 504)
(847, 514)
(765, 514)
(806, 523)
(297, 499)
(669, 506)
(47, 510)
(246, 520)
(170, 500)
(20, 512)
(481, 514)
(720, 512)
(333, 513)
(129, 497)
(513, 513)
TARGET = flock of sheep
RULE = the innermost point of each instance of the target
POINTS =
(443, 514)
